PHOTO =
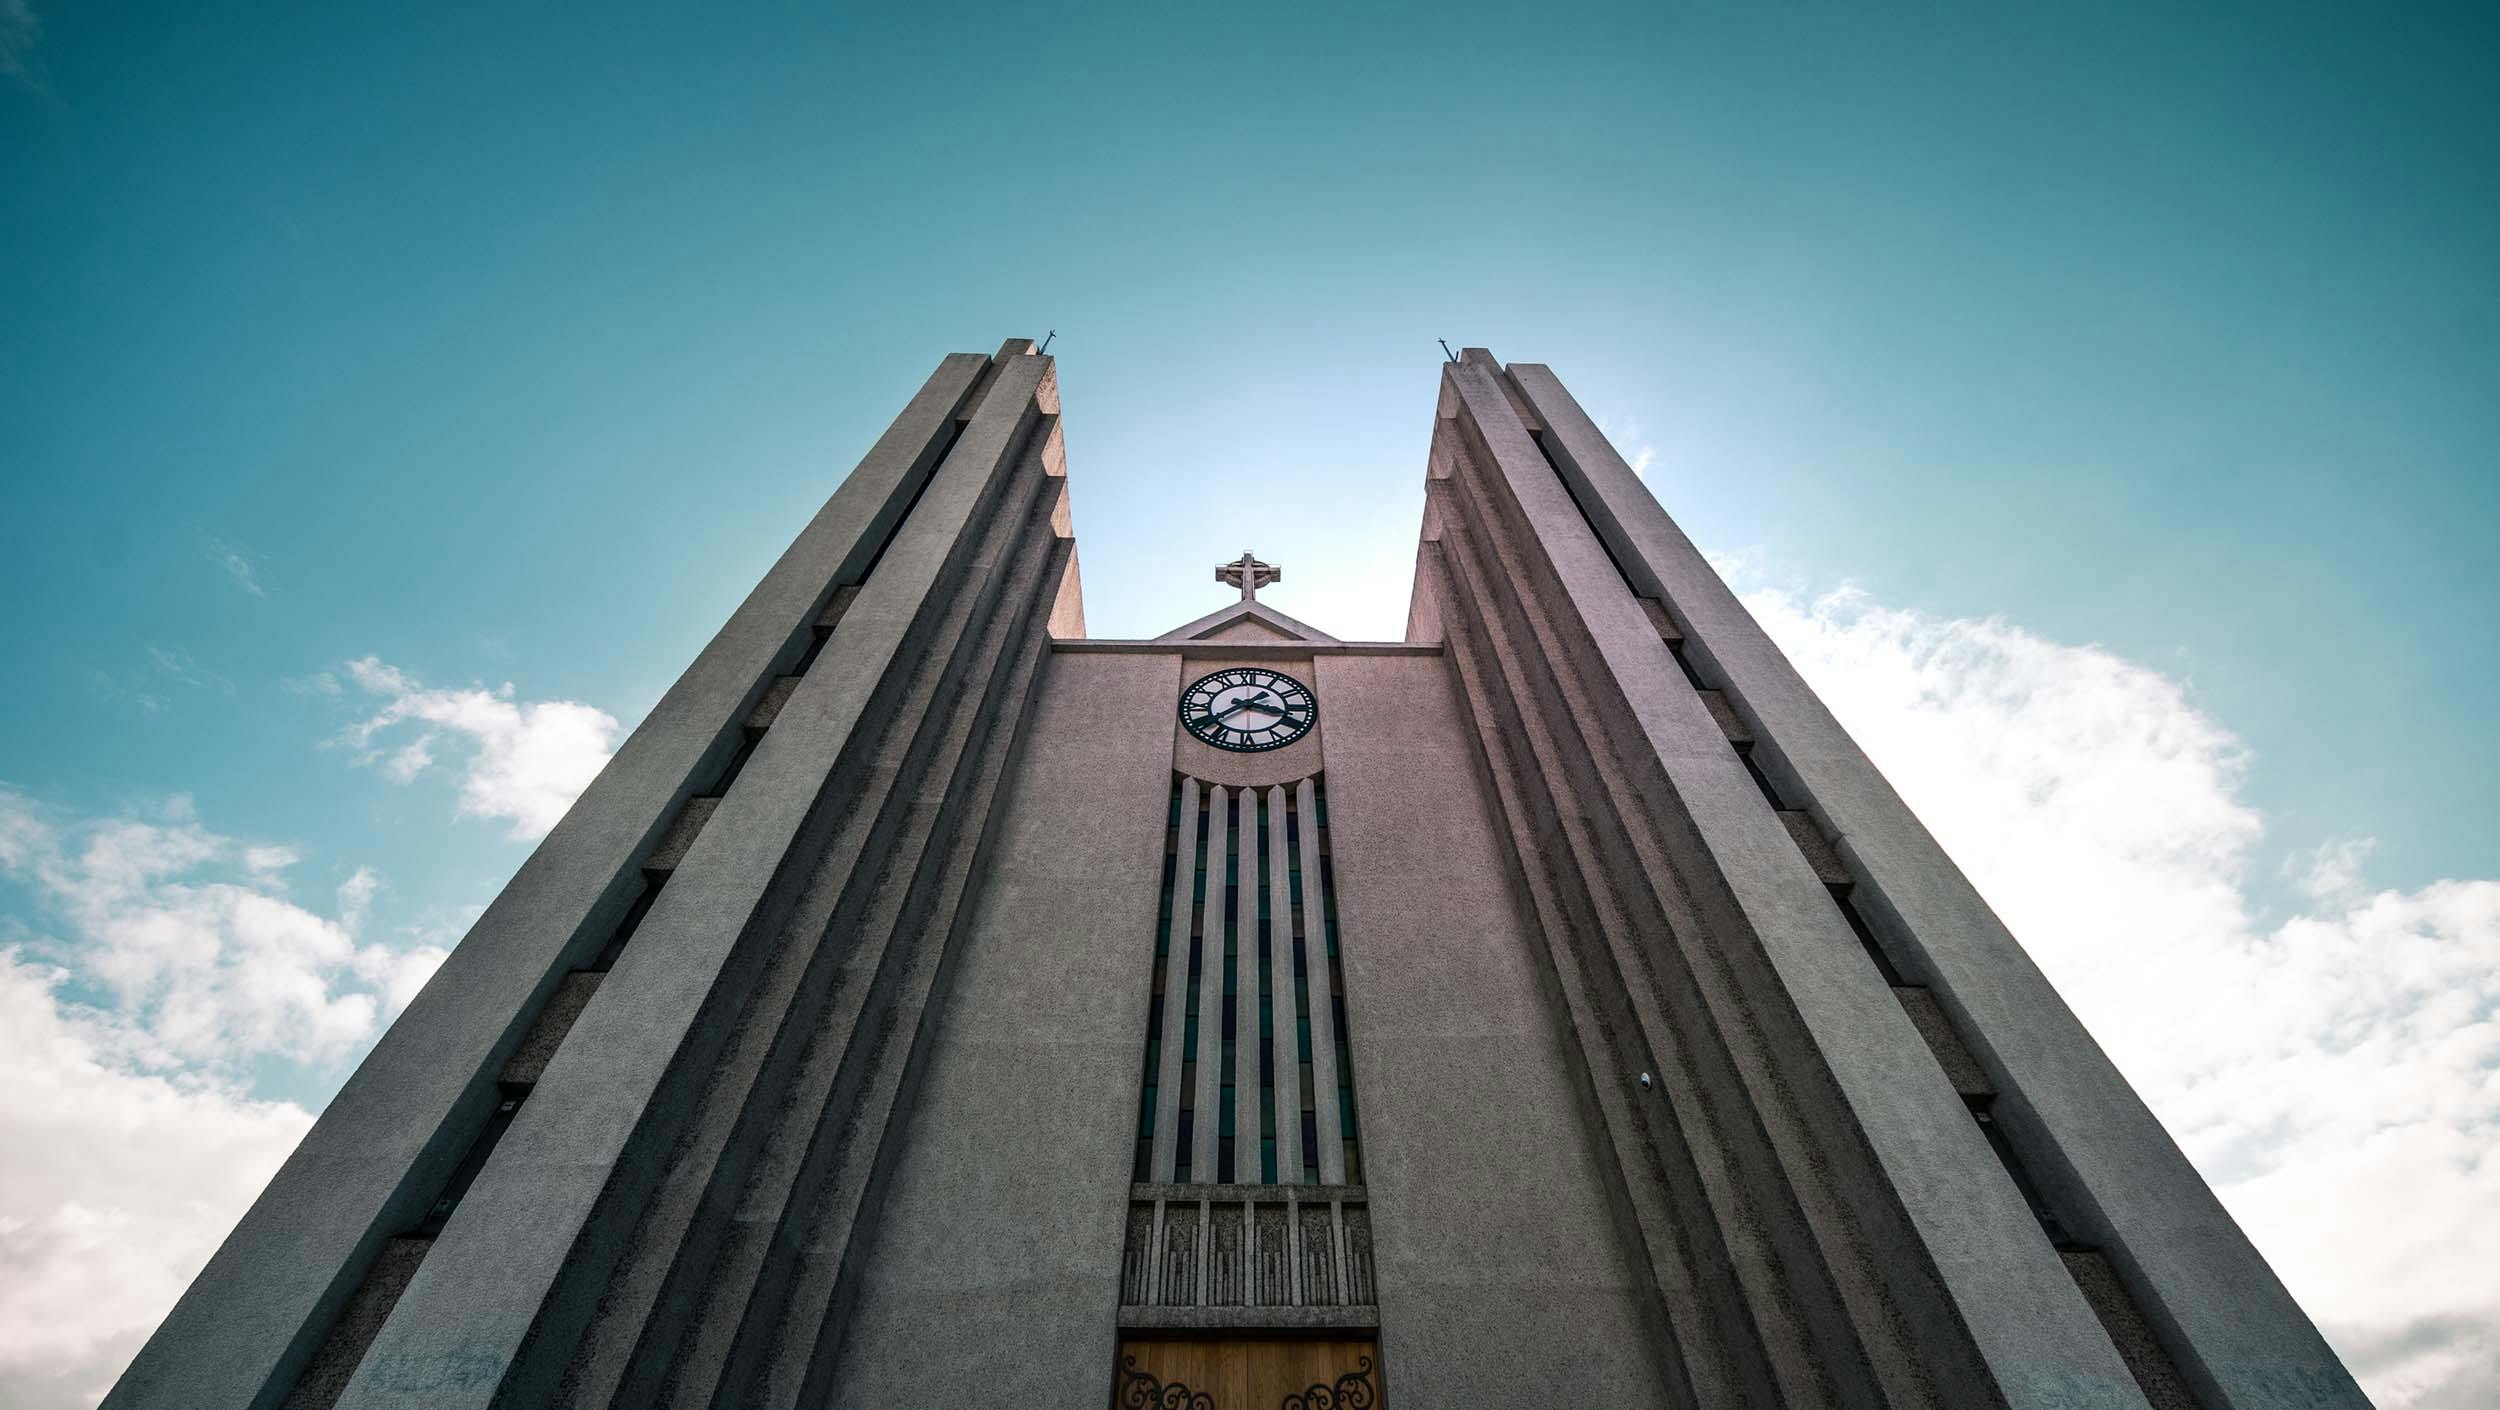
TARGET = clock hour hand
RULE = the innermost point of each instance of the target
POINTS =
(1218, 717)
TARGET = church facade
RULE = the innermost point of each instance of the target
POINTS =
(933, 1005)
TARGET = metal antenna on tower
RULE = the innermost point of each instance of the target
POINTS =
(1044, 349)
(1445, 349)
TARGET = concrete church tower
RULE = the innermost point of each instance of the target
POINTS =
(931, 1005)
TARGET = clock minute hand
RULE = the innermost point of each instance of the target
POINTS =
(1218, 716)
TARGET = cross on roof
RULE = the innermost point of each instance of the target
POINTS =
(1249, 575)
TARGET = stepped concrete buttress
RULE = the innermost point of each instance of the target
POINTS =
(1579, 1018)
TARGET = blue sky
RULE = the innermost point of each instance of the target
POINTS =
(509, 346)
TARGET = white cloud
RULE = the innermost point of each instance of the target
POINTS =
(128, 1144)
(2333, 1074)
(356, 897)
(237, 563)
(190, 935)
(269, 861)
(526, 761)
(116, 1184)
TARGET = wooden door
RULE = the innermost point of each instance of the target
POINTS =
(1242, 1373)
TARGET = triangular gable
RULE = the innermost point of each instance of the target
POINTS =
(1248, 622)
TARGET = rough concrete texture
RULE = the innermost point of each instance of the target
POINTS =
(777, 693)
(564, 1006)
(851, 1120)
(994, 1276)
(326, 1375)
(1502, 1281)
(1952, 1054)
(2163, 1385)
(1818, 852)
(2086, 1138)
(559, 1198)
(682, 831)
(1799, 1131)
(391, 1136)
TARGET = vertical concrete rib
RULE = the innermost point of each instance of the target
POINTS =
(1245, 1000)
(814, 1044)
(1325, 1115)
(2083, 1132)
(1280, 994)
(1707, 1337)
(1671, 1005)
(382, 1149)
(1812, 1014)
(1162, 1163)
(561, 1193)
(1210, 1054)
(797, 1316)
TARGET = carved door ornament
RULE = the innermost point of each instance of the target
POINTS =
(1141, 1390)
(1353, 1391)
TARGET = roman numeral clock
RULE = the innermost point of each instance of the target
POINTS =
(1248, 709)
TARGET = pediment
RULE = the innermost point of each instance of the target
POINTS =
(1253, 622)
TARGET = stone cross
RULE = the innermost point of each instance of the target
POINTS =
(1249, 575)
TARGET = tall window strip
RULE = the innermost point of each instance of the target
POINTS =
(1247, 1075)
(1267, 1008)
(1151, 1085)
(1229, 1037)
(1185, 1137)
(1304, 1116)
(1336, 997)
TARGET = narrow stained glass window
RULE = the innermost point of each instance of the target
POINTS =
(1282, 972)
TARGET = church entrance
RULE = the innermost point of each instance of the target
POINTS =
(1245, 1373)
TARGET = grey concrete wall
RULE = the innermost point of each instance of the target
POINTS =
(994, 1277)
(1502, 1275)
(483, 1317)
(2084, 1135)
(1825, 1224)
(393, 1133)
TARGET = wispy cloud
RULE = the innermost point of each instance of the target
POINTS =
(2330, 1073)
(178, 666)
(20, 30)
(236, 562)
(146, 687)
(192, 937)
(1631, 442)
(521, 761)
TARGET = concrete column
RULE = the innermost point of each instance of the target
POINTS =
(1210, 1054)
(1280, 986)
(2011, 1296)
(558, 1198)
(387, 1142)
(1246, 995)
(1323, 1012)
(2113, 1172)
(1164, 1157)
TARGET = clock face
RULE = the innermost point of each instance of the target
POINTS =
(1248, 709)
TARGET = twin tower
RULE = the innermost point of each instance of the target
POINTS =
(931, 1005)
